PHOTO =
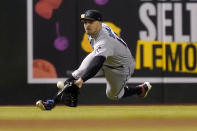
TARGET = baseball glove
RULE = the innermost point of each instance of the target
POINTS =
(69, 94)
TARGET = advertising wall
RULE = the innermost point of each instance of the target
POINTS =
(160, 34)
(43, 41)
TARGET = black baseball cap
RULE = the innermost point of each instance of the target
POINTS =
(91, 15)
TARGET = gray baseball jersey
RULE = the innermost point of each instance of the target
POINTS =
(119, 63)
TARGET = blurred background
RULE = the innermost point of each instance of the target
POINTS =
(43, 41)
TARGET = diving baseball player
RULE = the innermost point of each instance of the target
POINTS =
(110, 58)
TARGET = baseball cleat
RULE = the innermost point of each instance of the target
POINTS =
(45, 105)
(146, 87)
(40, 105)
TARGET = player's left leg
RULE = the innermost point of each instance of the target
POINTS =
(116, 91)
(116, 81)
(140, 90)
(117, 87)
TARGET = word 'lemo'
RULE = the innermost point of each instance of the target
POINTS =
(168, 56)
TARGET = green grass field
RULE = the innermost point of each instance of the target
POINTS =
(99, 118)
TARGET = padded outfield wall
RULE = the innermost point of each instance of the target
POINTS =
(44, 42)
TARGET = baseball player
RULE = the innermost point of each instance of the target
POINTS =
(110, 58)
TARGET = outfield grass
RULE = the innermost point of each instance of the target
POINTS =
(88, 118)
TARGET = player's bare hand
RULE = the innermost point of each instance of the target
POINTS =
(79, 82)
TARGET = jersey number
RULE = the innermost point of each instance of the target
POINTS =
(114, 35)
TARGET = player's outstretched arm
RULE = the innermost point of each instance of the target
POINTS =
(94, 66)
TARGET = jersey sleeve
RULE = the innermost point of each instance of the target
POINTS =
(94, 66)
(102, 48)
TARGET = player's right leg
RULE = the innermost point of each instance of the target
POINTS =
(45, 105)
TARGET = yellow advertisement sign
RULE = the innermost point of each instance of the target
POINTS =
(169, 56)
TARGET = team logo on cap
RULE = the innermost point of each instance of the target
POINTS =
(82, 15)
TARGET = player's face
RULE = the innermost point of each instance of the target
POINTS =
(92, 27)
